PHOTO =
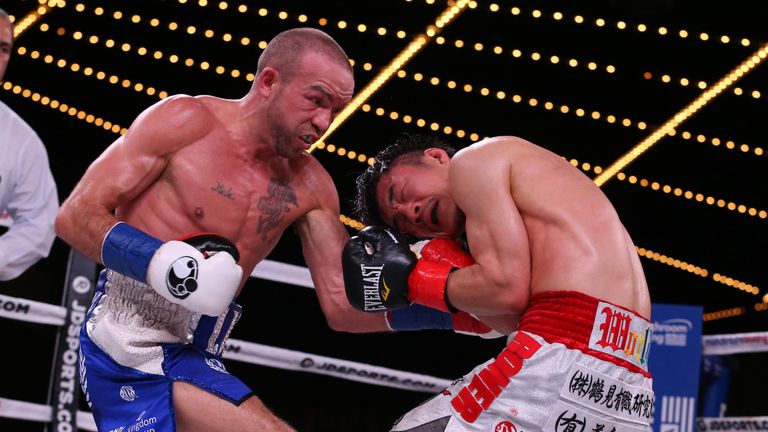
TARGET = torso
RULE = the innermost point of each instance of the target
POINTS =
(576, 239)
(212, 185)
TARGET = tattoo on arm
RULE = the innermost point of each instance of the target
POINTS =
(273, 206)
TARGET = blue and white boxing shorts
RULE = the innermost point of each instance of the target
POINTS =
(135, 344)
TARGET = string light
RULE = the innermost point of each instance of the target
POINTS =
(445, 18)
(701, 85)
(91, 72)
(725, 313)
(63, 107)
(727, 81)
(620, 25)
(433, 125)
(563, 109)
(20, 26)
(533, 102)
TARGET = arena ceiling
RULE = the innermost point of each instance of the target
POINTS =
(589, 80)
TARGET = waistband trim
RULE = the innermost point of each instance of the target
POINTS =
(593, 326)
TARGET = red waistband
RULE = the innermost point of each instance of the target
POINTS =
(595, 327)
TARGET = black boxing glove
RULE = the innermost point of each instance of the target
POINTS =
(382, 273)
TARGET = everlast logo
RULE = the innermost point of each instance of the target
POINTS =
(487, 384)
(621, 334)
(372, 295)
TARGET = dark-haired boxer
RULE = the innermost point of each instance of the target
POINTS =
(548, 251)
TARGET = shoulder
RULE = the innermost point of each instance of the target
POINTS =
(485, 151)
(179, 110)
(179, 118)
(318, 181)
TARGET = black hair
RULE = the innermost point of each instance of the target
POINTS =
(407, 148)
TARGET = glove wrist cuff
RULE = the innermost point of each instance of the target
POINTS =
(427, 285)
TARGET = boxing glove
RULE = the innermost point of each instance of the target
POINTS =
(198, 272)
(382, 273)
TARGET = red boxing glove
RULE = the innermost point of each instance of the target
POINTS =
(427, 281)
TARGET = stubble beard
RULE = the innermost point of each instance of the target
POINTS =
(282, 137)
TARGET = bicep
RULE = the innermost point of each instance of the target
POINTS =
(495, 229)
(135, 160)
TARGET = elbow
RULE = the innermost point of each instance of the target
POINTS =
(62, 223)
(512, 294)
(513, 301)
(339, 324)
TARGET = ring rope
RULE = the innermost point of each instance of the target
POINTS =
(264, 355)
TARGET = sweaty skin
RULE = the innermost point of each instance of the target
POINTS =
(202, 164)
(533, 222)
(239, 169)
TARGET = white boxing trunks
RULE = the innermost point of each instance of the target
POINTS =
(575, 364)
(135, 344)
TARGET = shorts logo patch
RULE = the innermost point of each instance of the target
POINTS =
(127, 393)
(182, 277)
(568, 418)
(595, 390)
(505, 426)
(216, 365)
(621, 334)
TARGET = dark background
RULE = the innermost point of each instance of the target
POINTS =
(722, 241)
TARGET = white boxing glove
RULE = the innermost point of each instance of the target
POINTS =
(185, 276)
(200, 272)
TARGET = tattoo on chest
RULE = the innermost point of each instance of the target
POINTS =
(223, 191)
(273, 206)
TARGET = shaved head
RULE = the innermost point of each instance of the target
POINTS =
(285, 51)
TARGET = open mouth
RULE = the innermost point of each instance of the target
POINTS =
(433, 216)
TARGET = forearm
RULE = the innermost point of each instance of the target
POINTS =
(84, 226)
(339, 314)
(472, 290)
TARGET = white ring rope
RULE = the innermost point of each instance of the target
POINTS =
(20, 410)
(264, 355)
(239, 350)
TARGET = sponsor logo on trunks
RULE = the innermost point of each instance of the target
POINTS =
(568, 418)
(216, 365)
(127, 393)
(486, 385)
(505, 426)
(600, 392)
(372, 295)
(621, 334)
(182, 277)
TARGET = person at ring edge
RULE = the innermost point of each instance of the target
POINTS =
(180, 210)
(27, 189)
(548, 251)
